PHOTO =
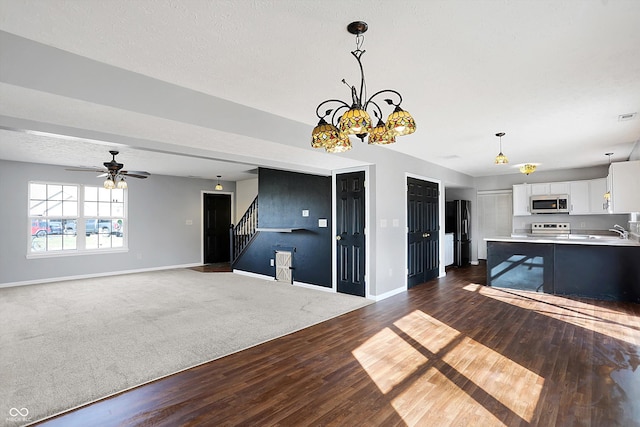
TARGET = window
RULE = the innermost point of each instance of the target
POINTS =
(70, 219)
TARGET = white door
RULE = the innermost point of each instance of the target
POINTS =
(283, 267)
(495, 217)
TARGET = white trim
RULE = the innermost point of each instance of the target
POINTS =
(474, 262)
(441, 201)
(254, 275)
(75, 252)
(314, 287)
(479, 192)
(95, 275)
(389, 294)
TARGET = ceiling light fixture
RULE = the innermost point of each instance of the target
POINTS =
(108, 183)
(501, 159)
(528, 168)
(333, 135)
(218, 185)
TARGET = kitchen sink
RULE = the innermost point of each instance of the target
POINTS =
(592, 236)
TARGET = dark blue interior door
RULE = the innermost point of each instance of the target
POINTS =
(217, 220)
(423, 231)
(350, 239)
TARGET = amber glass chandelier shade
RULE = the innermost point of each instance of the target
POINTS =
(324, 135)
(380, 135)
(501, 159)
(355, 121)
(400, 122)
(527, 169)
(340, 145)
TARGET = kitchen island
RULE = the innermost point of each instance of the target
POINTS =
(598, 267)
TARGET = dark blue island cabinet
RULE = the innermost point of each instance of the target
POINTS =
(604, 272)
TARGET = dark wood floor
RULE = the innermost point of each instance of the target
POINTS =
(449, 352)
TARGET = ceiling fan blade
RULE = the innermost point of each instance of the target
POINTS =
(86, 170)
(135, 174)
(102, 175)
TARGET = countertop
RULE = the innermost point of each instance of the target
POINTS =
(572, 239)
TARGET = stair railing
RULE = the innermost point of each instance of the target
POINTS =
(244, 231)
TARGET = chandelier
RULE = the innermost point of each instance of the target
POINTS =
(501, 159)
(528, 168)
(333, 130)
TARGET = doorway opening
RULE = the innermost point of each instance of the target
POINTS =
(216, 224)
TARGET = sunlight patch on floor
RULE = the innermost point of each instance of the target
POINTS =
(429, 369)
(593, 317)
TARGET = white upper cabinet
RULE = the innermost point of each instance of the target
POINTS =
(521, 194)
(579, 198)
(548, 188)
(585, 197)
(597, 188)
(624, 181)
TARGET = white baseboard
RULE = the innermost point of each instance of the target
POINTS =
(94, 275)
(387, 294)
(476, 262)
(271, 278)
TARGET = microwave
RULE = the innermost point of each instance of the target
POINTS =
(549, 204)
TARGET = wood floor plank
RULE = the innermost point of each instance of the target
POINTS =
(447, 352)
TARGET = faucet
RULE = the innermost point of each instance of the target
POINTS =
(624, 234)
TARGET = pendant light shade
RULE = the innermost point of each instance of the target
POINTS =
(400, 122)
(218, 185)
(380, 135)
(109, 184)
(341, 145)
(324, 135)
(501, 159)
(355, 121)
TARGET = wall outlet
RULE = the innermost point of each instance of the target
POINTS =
(271, 262)
(305, 212)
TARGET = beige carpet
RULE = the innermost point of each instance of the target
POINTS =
(64, 344)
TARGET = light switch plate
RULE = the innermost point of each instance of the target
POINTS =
(305, 212)
(322, 223)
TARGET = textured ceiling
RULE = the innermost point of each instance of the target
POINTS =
(553, 75)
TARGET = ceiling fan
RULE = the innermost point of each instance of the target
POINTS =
(113, 173)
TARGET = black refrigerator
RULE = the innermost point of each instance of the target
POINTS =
(458, 222)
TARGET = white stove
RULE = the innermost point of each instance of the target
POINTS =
(550, 228)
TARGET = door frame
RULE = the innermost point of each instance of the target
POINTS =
(441, 271)
(233, 206)
(334, 229)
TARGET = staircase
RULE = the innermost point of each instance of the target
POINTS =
(244, 231)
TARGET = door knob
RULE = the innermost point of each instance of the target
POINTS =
(338, 237)
(426, 234)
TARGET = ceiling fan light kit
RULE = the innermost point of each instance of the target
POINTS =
(114, 173)
(333, 135)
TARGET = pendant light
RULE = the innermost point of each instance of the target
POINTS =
(218, 185)
(501, 159)
(354, 118)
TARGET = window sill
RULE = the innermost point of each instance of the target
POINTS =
(57, 254)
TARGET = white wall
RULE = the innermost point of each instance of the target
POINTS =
(246, 192)
(159, 208)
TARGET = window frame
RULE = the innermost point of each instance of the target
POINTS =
(80, 218)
